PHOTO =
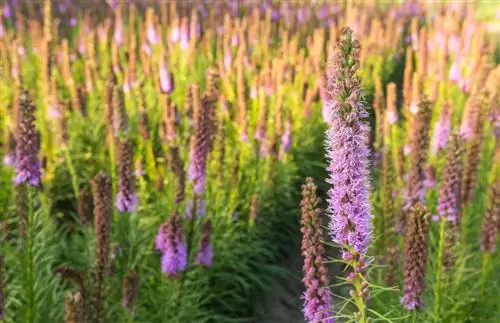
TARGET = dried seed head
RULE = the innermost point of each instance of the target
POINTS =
(205, 252)
(130, 289)
(126, 199)
(84, 206)
(28, 144)
(491, 220)
(416, 254)
(317, 297)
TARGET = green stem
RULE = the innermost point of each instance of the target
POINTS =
(414, 316)
(484, 272)
(359, 300)
(29, 267)
(358, 295)
(72, 172)
(437, 288)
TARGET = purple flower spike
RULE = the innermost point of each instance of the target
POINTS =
(9, 160)
(184, 35)
(28, 144)
(205, 252)
(166, 79)
(126, 203)
(442, 129)
(175, 34)
(126, 199)
(118, 33)
(200, 208)
(7, 11)
(347, 150)
(152, 35)
(170, 241)
(317, 296)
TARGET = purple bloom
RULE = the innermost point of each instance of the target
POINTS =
(73, 21)
(227, 59)
(146, 49)
(455, 74)
(317, 296)
(200, 208)
(184, 35)
(126, 199)
(28, 144)
(175, 34)
(170, 241)
(166, 78)
(9, 159)
(442, 129)
(205, 252)
(152, 35)
(347, 150)
(7, 12)
(126, 202)
(449, 193)
(118, 33)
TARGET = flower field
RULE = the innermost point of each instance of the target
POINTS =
(169, 161)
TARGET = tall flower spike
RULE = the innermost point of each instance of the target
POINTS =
(416, 254)
(166, 78)
(449, 193)
(28, 144)
(2, 296)
(170, 241)
(442, 128)
(203, 136)
(179, 172)
(419, 146)
(84, 206)
(126, 199)
(129, 289)
(449, 198)
(101, 190)
(491, 220)
(205, 251)
(347, 151)
(119, 114)
(473, 152)
(317, 297)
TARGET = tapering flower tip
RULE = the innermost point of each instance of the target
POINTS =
(184, 34)
(126, 199)
(101, 194)
(317, 296)
(175, 34)
(170, 241)
(392, 113)
(347, 150)
(28, 144)
(205, 251)
(152, 34)
(118, 33)
(7, 10)
(430, 177)
(130, 289)
(416, 254)
(286, 137)
(228, 59)
(166, 78)
(491, 220)
(449, 192)
(455, 73)
(442, 129)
